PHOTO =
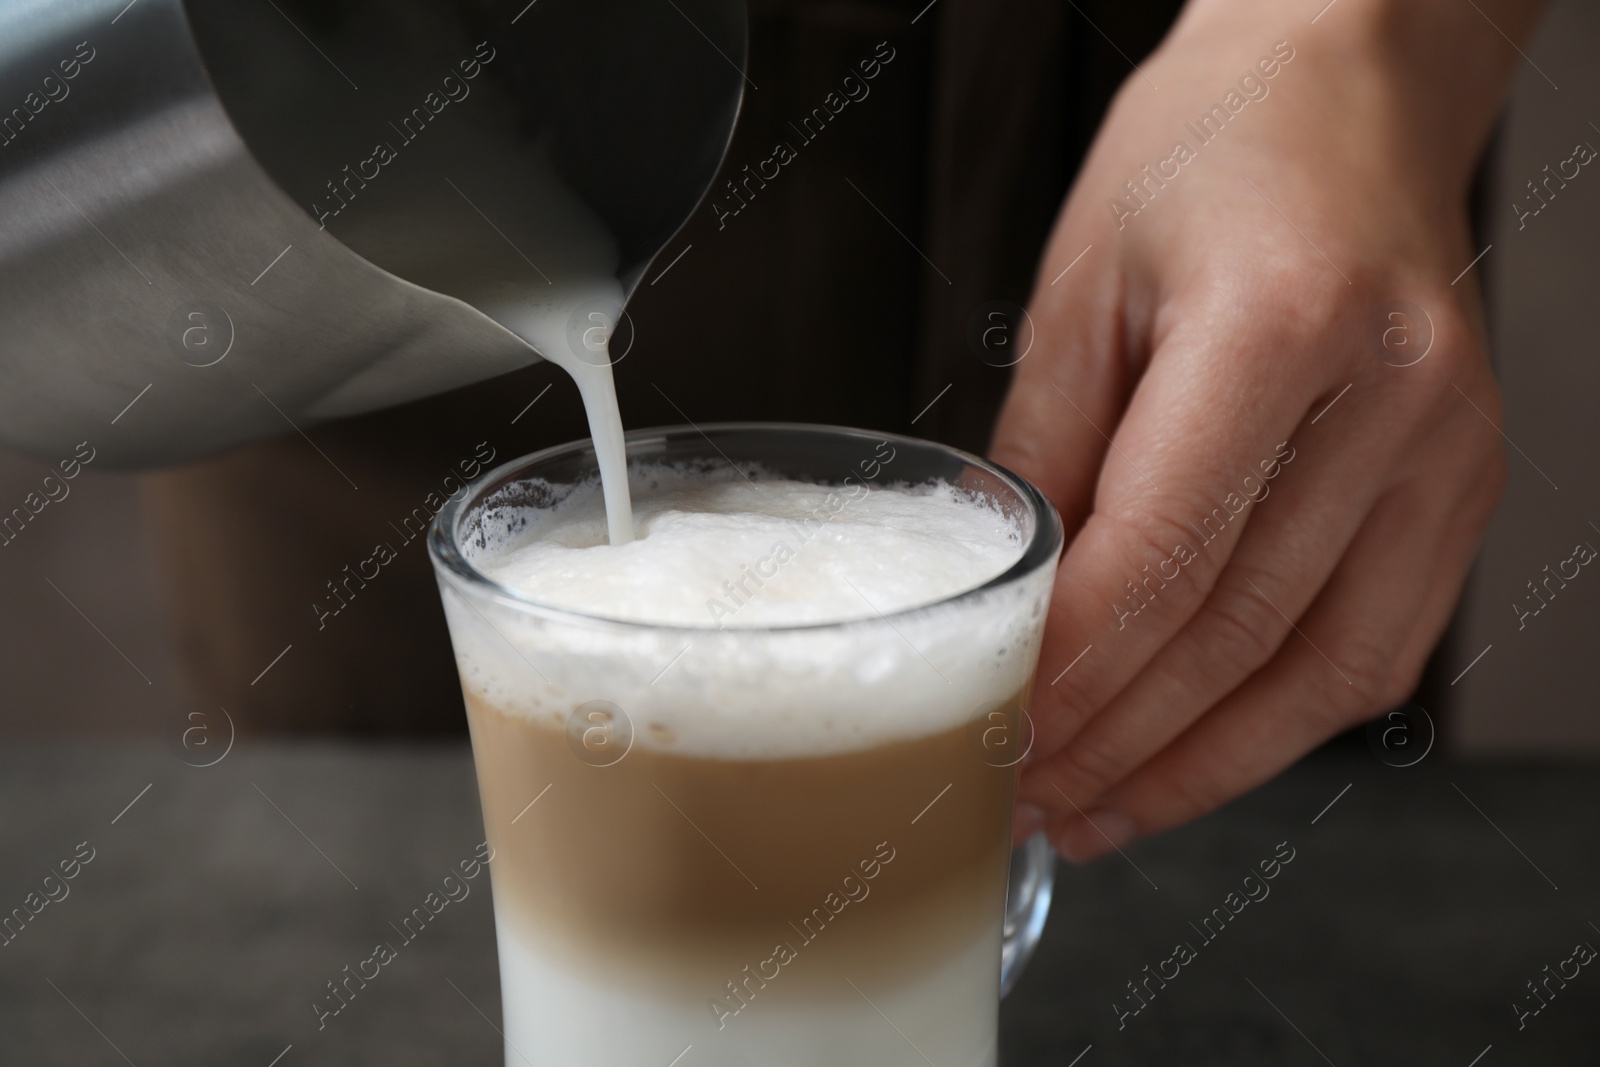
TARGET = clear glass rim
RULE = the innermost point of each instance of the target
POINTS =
(1042, 548)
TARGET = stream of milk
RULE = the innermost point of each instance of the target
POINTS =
(545, 267)
(582, 349)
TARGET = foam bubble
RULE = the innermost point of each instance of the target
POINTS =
(732, 570)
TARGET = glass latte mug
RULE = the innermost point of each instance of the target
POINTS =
(784, 846)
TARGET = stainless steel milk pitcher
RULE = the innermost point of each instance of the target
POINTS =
(221, 217)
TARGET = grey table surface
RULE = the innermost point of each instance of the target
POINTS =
(219, 903)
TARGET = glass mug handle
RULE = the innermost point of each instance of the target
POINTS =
(1032, 879)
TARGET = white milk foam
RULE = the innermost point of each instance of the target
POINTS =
(717, 561)
(724, 550)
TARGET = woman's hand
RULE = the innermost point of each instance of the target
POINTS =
(1258, 393)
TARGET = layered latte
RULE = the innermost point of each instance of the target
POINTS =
(748, 776)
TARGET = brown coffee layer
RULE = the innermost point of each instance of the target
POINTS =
(876, 863)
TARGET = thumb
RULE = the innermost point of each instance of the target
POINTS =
(1068, 391)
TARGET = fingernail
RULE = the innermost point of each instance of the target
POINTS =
(1096, 832)
(1025, 822)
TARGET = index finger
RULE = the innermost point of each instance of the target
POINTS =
(1196, 450)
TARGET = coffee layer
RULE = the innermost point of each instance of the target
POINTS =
(685, 874)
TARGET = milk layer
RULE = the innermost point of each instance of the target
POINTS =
(947, 1016)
